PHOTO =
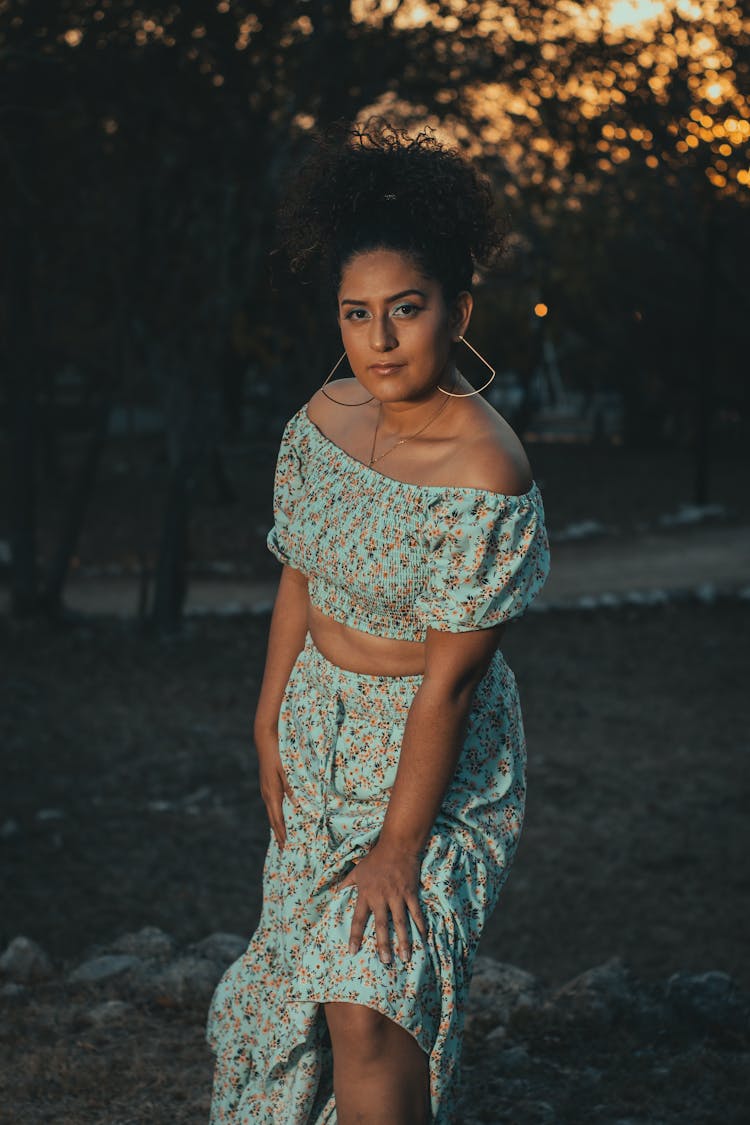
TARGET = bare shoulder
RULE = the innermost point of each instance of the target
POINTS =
(490, 456)
(321, 410)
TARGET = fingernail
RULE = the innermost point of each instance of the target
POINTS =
(385, 958)
(352, 947)
(404, 954)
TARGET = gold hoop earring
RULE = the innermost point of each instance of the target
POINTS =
(336, 400)
(468, 394)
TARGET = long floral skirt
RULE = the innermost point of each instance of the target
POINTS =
(340, 737)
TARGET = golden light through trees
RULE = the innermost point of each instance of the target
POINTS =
(576, 91)
(665, 78)
(633, 13)
(613, 62)
(650, 73)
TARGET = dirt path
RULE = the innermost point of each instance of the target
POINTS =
(677, 560)
(669, 560)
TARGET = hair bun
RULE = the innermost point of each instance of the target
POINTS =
(341, 202)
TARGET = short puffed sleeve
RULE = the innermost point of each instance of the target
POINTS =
(488, 558)
(288, 487)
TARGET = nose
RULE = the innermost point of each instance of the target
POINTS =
(382, 334)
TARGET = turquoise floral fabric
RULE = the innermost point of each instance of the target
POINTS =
(340, 737)
(393, 559)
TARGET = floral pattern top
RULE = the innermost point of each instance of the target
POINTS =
(394, 559)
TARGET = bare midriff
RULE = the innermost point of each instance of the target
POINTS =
(365, 653)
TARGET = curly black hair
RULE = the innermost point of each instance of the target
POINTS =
(370, 186)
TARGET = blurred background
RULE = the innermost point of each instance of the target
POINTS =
(152, 348)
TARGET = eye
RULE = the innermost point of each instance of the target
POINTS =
(410, 309)
(352, 315)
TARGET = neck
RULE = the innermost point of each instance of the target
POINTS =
(408, 414)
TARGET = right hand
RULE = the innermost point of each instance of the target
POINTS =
(273, 785)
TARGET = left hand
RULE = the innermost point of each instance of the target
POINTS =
(386, 879)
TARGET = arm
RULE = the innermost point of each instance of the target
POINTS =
(388, 877)
(286, 640)
(433, 736)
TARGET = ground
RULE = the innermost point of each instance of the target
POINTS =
(130, 774)
(130, 797)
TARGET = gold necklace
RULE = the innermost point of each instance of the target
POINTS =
(402, 441)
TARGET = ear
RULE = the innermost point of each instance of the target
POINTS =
(460, 313)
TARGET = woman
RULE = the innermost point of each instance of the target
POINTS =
(388, 729)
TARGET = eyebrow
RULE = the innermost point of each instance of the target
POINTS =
(395, 297)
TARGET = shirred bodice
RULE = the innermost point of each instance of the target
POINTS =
(394, 559)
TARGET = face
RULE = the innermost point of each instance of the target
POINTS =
(396, 326)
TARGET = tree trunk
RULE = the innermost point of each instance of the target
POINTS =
(224, 490)
(78, 502)
(22, 420)
(171, 570)
(706, 352)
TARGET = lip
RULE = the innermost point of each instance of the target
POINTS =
(385, 368)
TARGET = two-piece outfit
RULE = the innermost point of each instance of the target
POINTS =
(392, 559)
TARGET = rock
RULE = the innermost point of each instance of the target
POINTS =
(532, 1112)
(634, 1121)
(148, 942)
(497, 990)
(11, 989)
(711, 999)
(111, 1011)
(184, 980)
(104, 968)
(511, 1060)
(24, 961)
(600, 995)
(220, 947)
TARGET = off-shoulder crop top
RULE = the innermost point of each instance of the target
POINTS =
(392, 558)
